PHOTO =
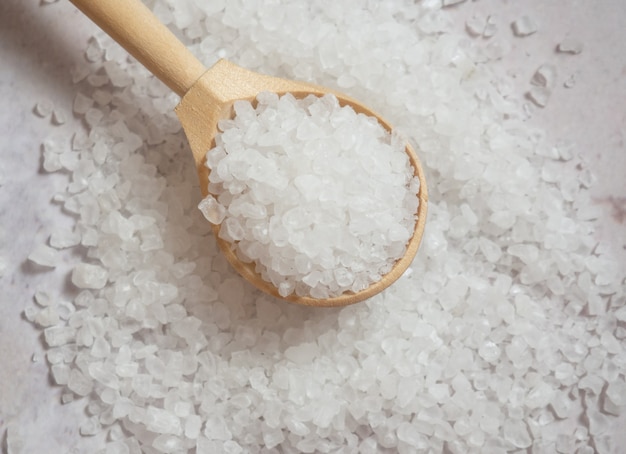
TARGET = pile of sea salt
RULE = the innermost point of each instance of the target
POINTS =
(506, 334)
(322, 199)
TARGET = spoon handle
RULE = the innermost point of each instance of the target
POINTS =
(136, 29)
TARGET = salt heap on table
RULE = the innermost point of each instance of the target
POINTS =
(322, 199)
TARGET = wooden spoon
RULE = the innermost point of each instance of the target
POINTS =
(208, 96)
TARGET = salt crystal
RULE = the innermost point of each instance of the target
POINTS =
(85, 275)
(44, 108)
(61, 238)
(616, 392)
(44, 256)
(58, 117)
(78, 383)
(14, 441)
(193, 424)
(302, 354)
(539, 95)
(451, 2)
(3, 266)
(524, 26)
(545, 76)
(516, 433)
(167, 443)
(475, 25)
(82, 103)
(91, 426)
(570, 81)
(490, 27)
(570, 46)
(162, 421)
(212, 210)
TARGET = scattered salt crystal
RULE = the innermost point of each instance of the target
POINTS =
(570, 81)
(545, 76)
(539, 95)
(490, 27)
(212, 210)
(85, 275)
(58, 117)
(14, 441)
(162, 421)
(451, 2)
(44, 108)
(475, 25)
(516, 433)
(616, 392)
(570, 46)
(61, 238)
(524, 26)
(3, 266)
(58, 335)
(44, 256)
(302, 354)
(48, 316)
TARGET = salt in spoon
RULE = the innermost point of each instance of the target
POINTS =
(207, 96)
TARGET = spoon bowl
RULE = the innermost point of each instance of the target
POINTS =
(207, 96)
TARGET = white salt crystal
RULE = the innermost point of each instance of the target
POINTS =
(3, 266)
(82, 103)
(44, 108)
(451, 2)
(193, 424)
(570, 46)
(58, 117)
(91, 426)
(539, 95)
(490, 27)
(85, 275)
(524, 26)
(272, 438)
(570, 81)
(78, 383)
(475, 25)
(167, 443)
(48, 316)
(162, 421)
(44, 256)
(303, 353)
(616, 392)
(212, 210)
(516, 433)
(544, 76)
(61, 238)
(14, 441)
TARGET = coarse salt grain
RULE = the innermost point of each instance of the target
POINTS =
(308, 201)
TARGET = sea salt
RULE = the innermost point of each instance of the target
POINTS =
(293, 198)
(506, 333)
(524, 26)
(44, 108)
(570, 46)
(85, 275)
(44, 256)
